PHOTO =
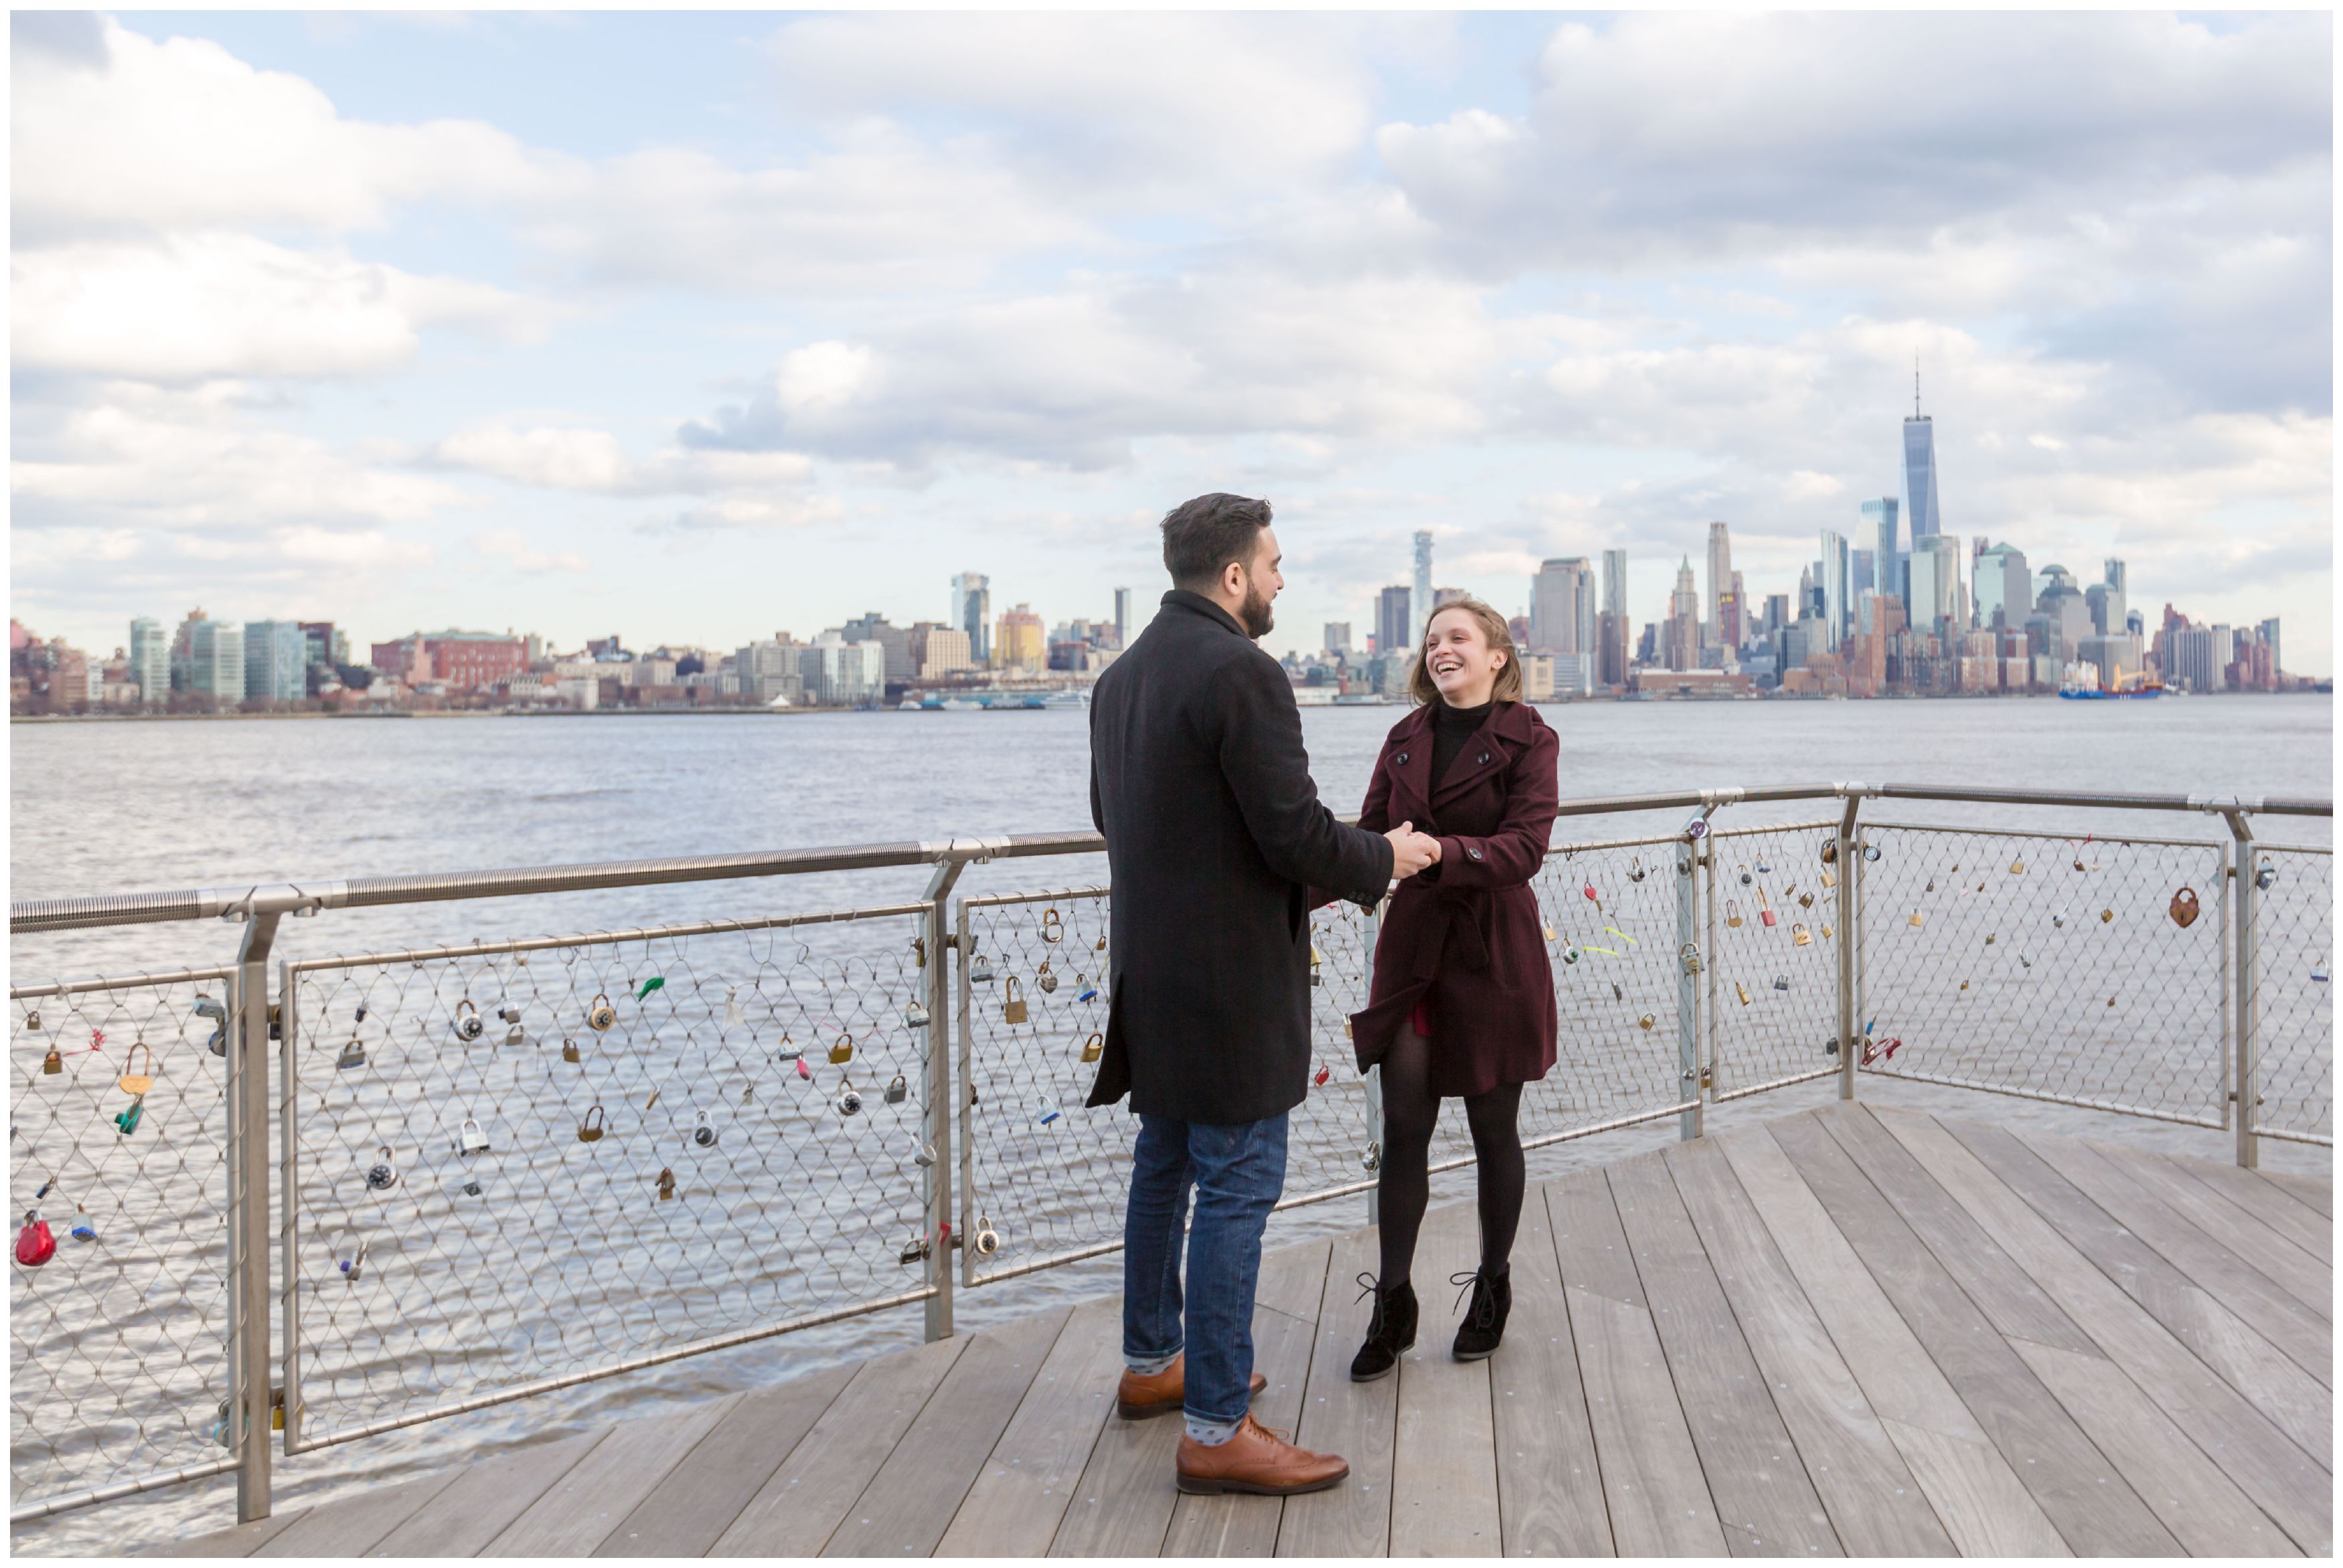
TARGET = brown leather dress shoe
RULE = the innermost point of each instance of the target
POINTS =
(1158, 1393)
(1256, 1460)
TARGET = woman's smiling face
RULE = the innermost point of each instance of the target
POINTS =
(1463, 664)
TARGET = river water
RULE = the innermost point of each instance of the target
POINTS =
(139, 806)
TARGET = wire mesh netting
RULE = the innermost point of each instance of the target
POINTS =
(117, 1139)
(1770, 905)
(2085, 970)
(519, 1162)
(2293, 994)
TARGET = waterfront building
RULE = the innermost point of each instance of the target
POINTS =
(1419, 603)
(183, 646)
(150, 659)
(2002, 590)
(1338, 640)
(872, 627)
(971, 611)
(835, 671)
(1561, 606)
(1729, 627)
(328, 646)
(2267, 631)
(2198, 657)
(276, 661)
(216, 660)
(1920, 470)
(1613, 625)
(1537, 676)
(1391, 622)
(938, 649)
(1837, 589)
(764, 671)
(1683, 634)
(1720, 582)
(1018, 641)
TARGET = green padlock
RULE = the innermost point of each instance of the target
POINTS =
(656, 982)
(127, 1119)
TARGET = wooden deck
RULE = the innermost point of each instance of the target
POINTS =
(1847, 1332)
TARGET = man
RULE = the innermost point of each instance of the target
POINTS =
(1214, 833)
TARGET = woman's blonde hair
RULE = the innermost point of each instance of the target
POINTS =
(1500, 638)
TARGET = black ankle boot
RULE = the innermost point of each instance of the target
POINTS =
(1483, 1327)
(1391, 1331)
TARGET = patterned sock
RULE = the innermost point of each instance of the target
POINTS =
(1147, 1366)
(1213, 1433)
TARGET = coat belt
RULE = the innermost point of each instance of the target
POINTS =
(1453, 914)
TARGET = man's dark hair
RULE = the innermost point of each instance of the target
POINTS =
(1203, 536)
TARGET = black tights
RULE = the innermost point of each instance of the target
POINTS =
(1409, 1111)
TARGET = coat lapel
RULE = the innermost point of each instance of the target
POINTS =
(1410, 768)
(1485, 752)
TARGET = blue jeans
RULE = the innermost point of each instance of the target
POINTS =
(1237, 1170)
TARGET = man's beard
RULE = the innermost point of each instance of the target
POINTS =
(1254, 613)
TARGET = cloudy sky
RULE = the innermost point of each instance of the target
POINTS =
(695, 327)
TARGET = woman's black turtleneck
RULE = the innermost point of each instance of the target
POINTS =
(1450, 728)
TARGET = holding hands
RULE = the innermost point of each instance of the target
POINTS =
(1411, 851)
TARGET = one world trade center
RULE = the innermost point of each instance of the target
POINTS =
(1920, 466)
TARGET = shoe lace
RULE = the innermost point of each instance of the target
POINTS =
(1484, 1300)
(1371, 1286)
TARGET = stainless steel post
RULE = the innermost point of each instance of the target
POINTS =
(1374, 1074)
(963, 1091)
(248, 1220)
(1687, 989)
(2249, 1077)
(1850, 866)
(1712, 1067)
(936, 1183)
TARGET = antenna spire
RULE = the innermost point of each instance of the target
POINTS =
(1916, 384)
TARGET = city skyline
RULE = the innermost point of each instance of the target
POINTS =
(707, 324)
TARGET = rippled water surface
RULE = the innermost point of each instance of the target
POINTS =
(125, 806)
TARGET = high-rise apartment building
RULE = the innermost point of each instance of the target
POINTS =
(1393, 636)
(1920, 470)
(1561, 606)
(1421, 604)
(2269, 630)
(150, 659)
(2198, 657)
(1720, 582)
(971, 611)
(833, 670)
(276, 661)
(1683, 634)
(938, 649)
(216, 660)
(768, 673)
(1863, 575)
(2116, 603)
(1020, 642)
(1612, 624)
(1123, 618)
(1936, 594)
(1338, 639)
(1838, 591)
(2003, 589)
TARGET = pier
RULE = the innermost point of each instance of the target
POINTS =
(1852, 1331)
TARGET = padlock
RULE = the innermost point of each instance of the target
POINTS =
(1045, 1109)
(988, 1239)
(1053, 929)
(1322, 1075)
(747, 1093)
(1570, 954)
(923, 1154)
(351, 1262)
(841, 1049)
(1830, 852)
(127, 1120)
(898, 1091)
(788, 1050)
(1765, 909)
(1314, 962)
(1890, 1046)
(1635, 872)
(1548, 933)
(666, 1184)
(1592, 897)
(136, 1082)
(980, 970)
(1965, 985)
(1781, 983)
(382, 1175)
(206, 1007)
(1830, 880)
(703, 1133)
(83, 1230)
(1094, 1046)
(655, 983)
(2059, 919)
(916, 1016)
(1012, 1008)
(1616, 994)
(803, 1070)
(2106, 917)
(470, 1139)
(1825, 932)
(361, 1013)
(1647, 1021)
(471, 1188)
(601, 1015)
(1763, 869)
(1989, 937)
(734, 1018)
(217, 1043)
(1690, 955)
(1871, 851)
(1733, 913)
(2183, 907)
(570, 1050)
(652, 1101)
(508, 1013)
(34, 1245)
(591, 1127)
(1805, 901)
(1089, 992)
(849, 1103)
(33, 1022)
(53, 1062)
(468, 1026)
(2024, 962)
(2017, 866)
(1746, 879)
(2265, 876)
(1373, 1158)
(353, 1054)
(2317, 972)
(1045, 977)
(1830, 1046)
(1914, 922)
(1742, 991)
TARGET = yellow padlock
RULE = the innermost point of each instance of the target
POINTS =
(1012, 1007)
(1093, 1047)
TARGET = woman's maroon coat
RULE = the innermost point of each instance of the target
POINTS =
(1463, 938)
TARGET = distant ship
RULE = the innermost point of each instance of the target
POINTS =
(2081, 684)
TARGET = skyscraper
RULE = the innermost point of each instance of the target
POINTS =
(2004, 588)
(1720, 581)
(1561, 606)
(1879, 527)
(276, 661)
(1393, 621)
(1838, 591)
(150, 659)
(1920, 468)
(971, 611)
(1614, 584)
(1682, 635)
(1123, 618)
(1935, 581)
(216, 660)
(1612, 623)
(2118, 606)
(1420, 604)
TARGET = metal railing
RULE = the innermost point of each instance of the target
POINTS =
(469, 1142)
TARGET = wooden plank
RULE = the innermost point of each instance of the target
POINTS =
(236, 1541)
(2202, 1507)
(1355, 1420)
(2094, 1509)
(2279, 1260)
(687, 1512)
(581, 1508)
(1444, 1451)
(2250, 1450)
(1549, 1482)
(908, 1504)
(2307, 1338)
(2006, 1295)
(2289, 1396)
(2298, 1221)
(485, 1498)
(2318, 1191)
(795, 1512)
(1013, 1508)
(1122, 1505)
(1975, 1494)
(1653, 1485)
(1756, 1474)
(1230, 1525)
(1293, 1280)
(351, 1527)
(1876, 1506)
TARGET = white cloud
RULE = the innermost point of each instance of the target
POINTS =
(571, 458)
(512, 547)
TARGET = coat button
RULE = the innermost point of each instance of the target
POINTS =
(1473, 854)
(1481, 760)
(1400, 760)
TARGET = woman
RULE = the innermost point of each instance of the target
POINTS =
(1463, 1002)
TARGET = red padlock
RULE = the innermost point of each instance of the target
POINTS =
(1765, 909)
(1322, 1075)
(35, 1245)
(1589, 892)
